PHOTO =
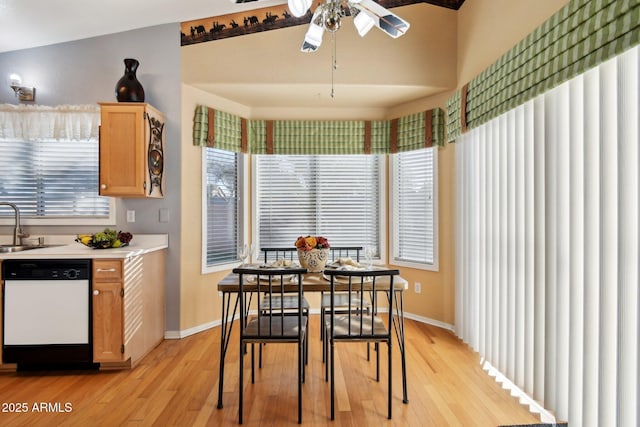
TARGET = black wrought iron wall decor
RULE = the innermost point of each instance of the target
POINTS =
(155, 154)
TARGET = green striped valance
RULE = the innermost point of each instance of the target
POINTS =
(213, 128)
(581, 35)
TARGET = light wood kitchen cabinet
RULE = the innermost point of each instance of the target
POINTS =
(128, 308)
(132, 138)
(107, 304)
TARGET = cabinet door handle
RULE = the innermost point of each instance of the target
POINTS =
(105, 270)
(103, 186)
(96, 292)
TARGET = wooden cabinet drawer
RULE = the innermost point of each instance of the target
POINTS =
(107, 269)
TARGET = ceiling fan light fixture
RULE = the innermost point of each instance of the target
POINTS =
(363, 23)
(299, 8)
(313, 38)
(331, 20)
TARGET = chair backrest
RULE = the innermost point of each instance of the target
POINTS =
(272, 254)
(359, 284)
(272, 284)
(345, 251)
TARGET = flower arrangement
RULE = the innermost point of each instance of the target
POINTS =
(312, 242)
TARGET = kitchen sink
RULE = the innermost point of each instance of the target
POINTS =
(12, 248)
(20, 248)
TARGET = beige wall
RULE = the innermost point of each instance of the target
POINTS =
(489, 28)
(199, 301)
(485, 30)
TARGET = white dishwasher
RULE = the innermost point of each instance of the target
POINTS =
(47, 313)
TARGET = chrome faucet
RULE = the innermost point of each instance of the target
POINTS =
(17, 231)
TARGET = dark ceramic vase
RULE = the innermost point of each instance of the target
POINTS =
(128, 88)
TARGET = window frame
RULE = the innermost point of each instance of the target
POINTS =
(243, 225)
(382, 216)
(393, 234)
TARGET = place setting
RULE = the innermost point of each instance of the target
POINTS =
(349, 264)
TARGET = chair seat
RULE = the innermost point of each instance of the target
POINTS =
(350, 327)
(286, 302)
(273, 328)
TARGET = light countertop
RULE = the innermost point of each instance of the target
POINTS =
(66, 247)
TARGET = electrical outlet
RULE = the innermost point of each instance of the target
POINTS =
(417, 287)
(131, 216)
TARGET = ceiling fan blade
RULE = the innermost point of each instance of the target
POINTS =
(362, 21)
(313, 37)
(384, 19)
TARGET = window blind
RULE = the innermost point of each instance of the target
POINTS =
(414, 206)
(51, 178)
(337, 197)
(547, 246)
(223, 205)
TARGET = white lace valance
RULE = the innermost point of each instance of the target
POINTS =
(37, 122)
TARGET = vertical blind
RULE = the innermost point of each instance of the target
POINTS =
(337, 197)
(413, 206)
(224, 215)
(547, 245)
(51, 178)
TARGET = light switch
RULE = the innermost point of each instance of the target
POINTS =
(131, 216)
(164, 215)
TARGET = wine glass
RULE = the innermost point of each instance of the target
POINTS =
(243, 253)
(369, 252)
(252, 249)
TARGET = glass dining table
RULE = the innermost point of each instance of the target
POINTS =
(312, 282)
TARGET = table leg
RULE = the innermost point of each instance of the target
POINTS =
(225, 336)
(398, 325)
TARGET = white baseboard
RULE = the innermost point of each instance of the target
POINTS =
(429, 321)
(176, 335)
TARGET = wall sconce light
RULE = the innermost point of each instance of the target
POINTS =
(23, 93)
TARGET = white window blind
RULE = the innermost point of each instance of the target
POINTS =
(51, 178)
(547, 246)
(223, 211)
(414, 207)
(338, 197)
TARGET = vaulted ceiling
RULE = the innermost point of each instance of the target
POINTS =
(375, 73)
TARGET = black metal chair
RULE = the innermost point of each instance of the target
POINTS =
(272, 325)
(341, 302)
(336, 252)
(356, 323)
(287, 303)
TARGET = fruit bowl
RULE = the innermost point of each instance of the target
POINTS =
(106, 239)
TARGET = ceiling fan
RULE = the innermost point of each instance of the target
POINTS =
(327, 16)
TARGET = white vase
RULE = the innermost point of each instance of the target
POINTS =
(313, 260)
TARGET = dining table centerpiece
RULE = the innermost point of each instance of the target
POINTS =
(313, 252)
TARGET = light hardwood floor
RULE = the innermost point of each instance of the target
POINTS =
(177, 383)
